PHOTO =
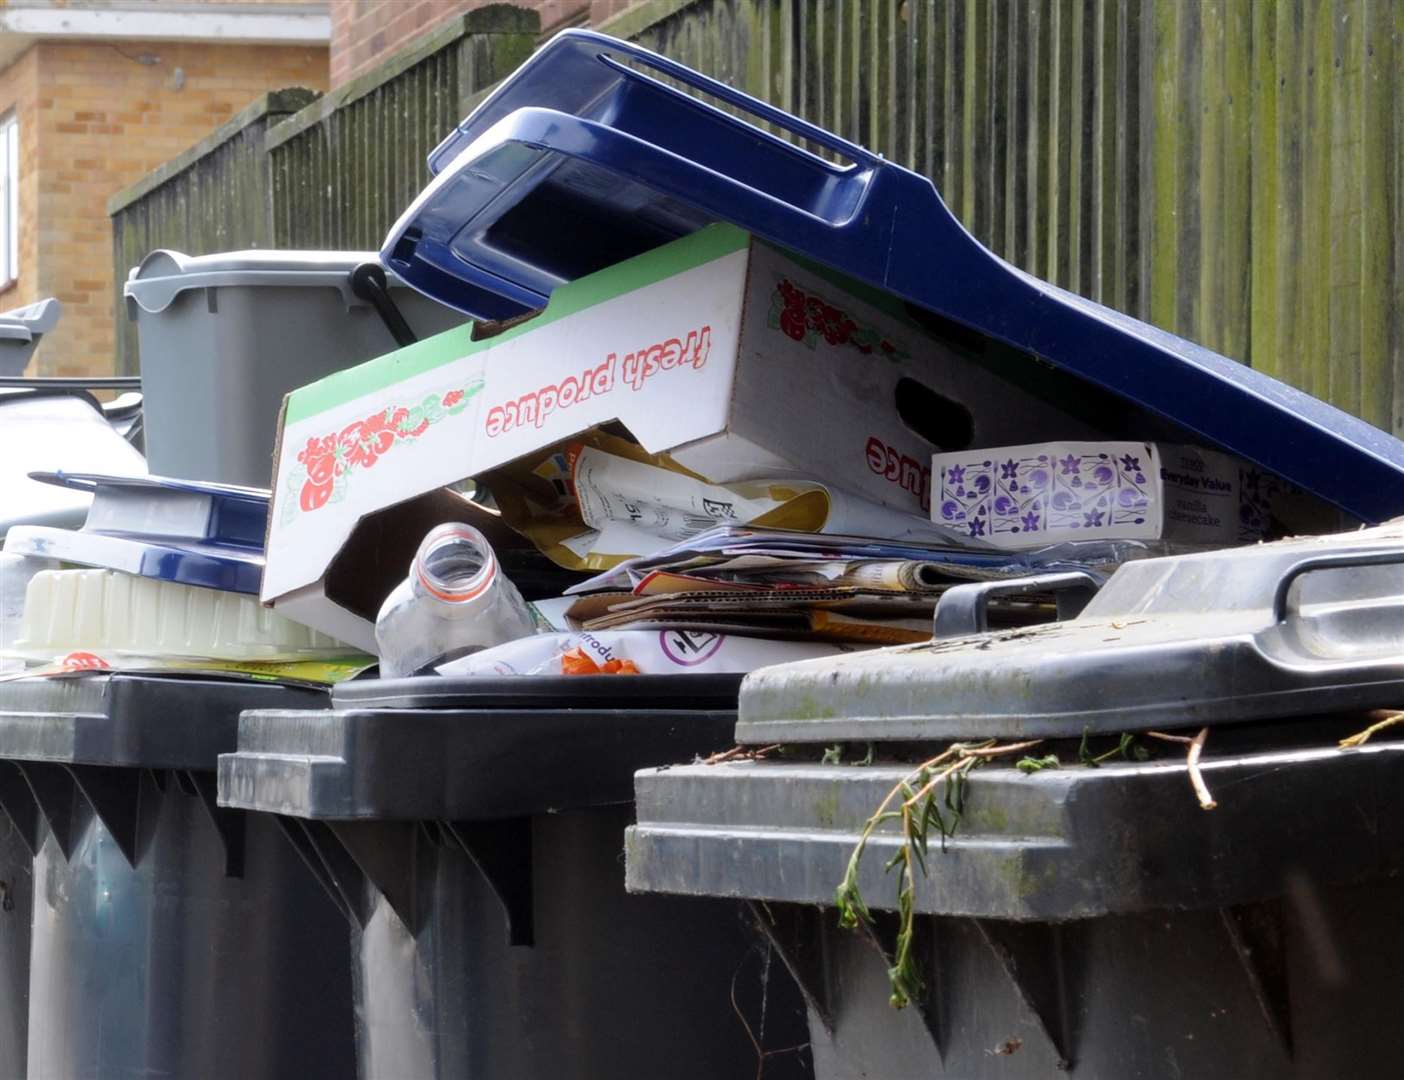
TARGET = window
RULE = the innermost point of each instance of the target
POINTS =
(9, 199)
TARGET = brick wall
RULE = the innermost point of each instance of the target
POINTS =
(365, 31)
(101, 118)
(19, 94)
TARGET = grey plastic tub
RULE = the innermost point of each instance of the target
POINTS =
(223, 337)
(21, 330)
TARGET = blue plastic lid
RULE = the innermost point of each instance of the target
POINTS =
(209, 535)
(542, 183)
(586, 156)
(150, 506)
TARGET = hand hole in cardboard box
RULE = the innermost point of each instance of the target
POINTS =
(943, 422)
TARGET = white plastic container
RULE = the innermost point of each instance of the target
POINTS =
(109, 612)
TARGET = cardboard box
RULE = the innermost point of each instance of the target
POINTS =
(736, 359)
(1030, 496)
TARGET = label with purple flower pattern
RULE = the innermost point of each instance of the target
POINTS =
(1044, 493)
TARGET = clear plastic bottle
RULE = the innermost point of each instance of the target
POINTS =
(455, 601)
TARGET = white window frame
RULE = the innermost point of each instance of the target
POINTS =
(9, 198)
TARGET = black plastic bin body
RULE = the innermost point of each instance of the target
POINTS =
(16, 896)
(170, 937)
(1089, 922)
(475, 842)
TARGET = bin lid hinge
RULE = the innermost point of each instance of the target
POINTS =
(17, 801)
(1256, 934)
(881, 934)
(387, 855)
(1032, 956)
(56, 794)
(228, 823)
(501, 850)
(329, 864)
(115, 796)
(796, 933)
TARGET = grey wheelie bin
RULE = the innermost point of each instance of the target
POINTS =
(171, 937)
(21, 330)
(223, 337)
(471, 831)
(1093, 920)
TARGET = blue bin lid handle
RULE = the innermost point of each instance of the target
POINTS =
(596, 68)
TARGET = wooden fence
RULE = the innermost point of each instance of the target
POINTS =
(1232, 170)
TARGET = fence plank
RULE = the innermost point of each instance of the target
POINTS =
(211, 198)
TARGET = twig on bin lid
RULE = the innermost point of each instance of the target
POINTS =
(1383, 718)
(1196, 748)
(745, 753)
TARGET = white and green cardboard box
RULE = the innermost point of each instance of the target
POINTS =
(738, 360)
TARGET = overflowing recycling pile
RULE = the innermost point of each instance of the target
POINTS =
(709, 458)
(162, 576)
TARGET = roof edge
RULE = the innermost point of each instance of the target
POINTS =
(273, 25)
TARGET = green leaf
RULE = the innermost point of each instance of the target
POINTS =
(1037, 764)
(932, 813)
(1084, 752)
(920, 852)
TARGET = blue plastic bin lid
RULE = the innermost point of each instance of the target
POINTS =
(584, 157)
(193, 533)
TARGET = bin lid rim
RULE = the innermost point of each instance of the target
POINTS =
(37, 318)
(91, 482)
(437, 692)
(164, 274)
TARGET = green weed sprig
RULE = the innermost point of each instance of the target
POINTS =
(932, 796)
(1127, 748)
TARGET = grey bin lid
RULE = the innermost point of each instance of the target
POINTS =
(120, 721)
(1066, 843)
(21, 330)
(163, 275)
(1277, 630)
